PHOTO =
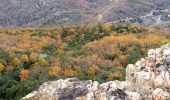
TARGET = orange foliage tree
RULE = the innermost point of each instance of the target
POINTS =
(24, 74)
(54, 71)
(69, 72)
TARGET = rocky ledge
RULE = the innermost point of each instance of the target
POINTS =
(147, 79)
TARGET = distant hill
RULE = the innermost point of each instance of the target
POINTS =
(17, 13)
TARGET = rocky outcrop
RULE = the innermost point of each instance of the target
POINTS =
(147, 79)
(150, 76)
(74, 89)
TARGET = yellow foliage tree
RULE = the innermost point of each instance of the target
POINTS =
(107, 27)
(93, 69)
(42, 62)
(117, 75)
(152, 39)
(24, 74)
(16, 61)
(24, 58)
(1, 67)
(33, 57)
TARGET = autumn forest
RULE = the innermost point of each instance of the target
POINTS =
(30, 56)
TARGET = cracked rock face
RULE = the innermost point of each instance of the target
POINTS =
(150, 76)
(147, 79)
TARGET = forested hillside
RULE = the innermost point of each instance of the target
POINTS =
(30, 56)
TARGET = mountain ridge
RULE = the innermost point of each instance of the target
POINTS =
(19, 13)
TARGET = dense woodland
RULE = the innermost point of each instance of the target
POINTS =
(101, 52)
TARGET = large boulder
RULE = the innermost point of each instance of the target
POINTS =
(74, 89)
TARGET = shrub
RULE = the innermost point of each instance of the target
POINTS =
(9, 69)
(49, 48)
